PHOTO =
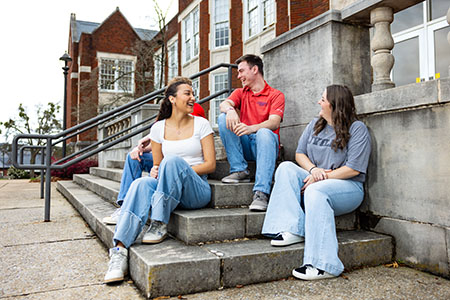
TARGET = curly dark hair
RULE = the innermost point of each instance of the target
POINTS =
(165, 109)
(343, 114)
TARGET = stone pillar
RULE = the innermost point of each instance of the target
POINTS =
(448, 36)
(382, 44)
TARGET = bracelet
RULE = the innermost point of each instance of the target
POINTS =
(230, 108)
(312, 169)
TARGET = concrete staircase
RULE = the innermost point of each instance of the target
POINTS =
(211, 248)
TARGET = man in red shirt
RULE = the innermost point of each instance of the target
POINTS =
(252, 134)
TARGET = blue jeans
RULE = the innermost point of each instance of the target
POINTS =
(133, 170)
(261, 147)
(177, 185)
(323, 200)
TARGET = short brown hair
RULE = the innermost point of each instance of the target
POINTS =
(252, 60)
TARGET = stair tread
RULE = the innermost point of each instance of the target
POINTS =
(167, 268)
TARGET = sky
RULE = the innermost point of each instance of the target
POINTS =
(34, 35)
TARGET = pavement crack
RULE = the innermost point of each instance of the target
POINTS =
(89, 237)
(51, 290)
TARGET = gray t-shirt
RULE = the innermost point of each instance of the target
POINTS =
(318, 148)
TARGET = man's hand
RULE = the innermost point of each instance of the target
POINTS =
(232, 119)
(136, 153)
(241, 129)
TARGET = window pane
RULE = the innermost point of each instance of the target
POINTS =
(220, 83)
(408, 18)
(252, 22)
(125, 75)
(406, 67)
(269, 12)
(107, 71)
(222, 34)
(196, 88)
(220, 11)
(442, 51)
(439, 8)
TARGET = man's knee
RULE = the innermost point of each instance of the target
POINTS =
(222, 120)
(265, 136)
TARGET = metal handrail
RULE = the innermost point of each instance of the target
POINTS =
(52, 140)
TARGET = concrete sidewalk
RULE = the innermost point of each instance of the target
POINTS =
(63, 259)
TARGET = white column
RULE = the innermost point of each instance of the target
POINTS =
(382, 44)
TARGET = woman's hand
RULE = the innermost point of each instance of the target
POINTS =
(154, 172)
(319, 174)
(308, 181)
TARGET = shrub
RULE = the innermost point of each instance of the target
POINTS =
(15, 173)
(81, 167)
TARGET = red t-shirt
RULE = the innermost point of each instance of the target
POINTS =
(256, 108)
(198, 111)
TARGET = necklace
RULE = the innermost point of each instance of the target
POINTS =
(177, 131)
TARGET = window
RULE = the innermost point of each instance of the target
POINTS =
(116, 75)
(259, 14)
(157, 61)
(173, 60)
(196, 88)
(221, 33)
(191, 35)
(220, 83)
(421, 49)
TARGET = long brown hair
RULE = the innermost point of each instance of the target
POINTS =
(343, 114)
(165, 109)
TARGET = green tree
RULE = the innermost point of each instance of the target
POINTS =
(47, 122)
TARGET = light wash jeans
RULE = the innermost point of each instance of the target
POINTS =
(133, 170)
(177, 185)
(323, 200)
(261, 147)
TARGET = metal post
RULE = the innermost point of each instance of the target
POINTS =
(48, 177)
(230, 78)
(42, 173)
(66, 58)
(65, 108)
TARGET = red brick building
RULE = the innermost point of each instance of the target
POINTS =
(107, 69)
(104, 72)
(208, 32)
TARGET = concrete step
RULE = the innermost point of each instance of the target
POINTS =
(222, 168)
(217, 222)
(167, 269)
(222, 195)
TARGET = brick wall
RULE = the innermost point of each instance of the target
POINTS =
(236, 21)
(204, 56)
(304, 10)
(282, 23)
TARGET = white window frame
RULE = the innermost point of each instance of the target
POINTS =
(221, 23)
(172, 60)
(190, 35)
(425, 34)
(116, 84)
(259, 10)
(216, 102)
(196, 88)
(157, 69)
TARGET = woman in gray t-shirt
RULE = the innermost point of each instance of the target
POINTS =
(332, 154)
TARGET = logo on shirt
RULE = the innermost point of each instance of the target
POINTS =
(261, 103)
(320, 142)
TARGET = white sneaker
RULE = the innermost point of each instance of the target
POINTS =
(118, 264)
(286, 238)
(112, 219)
(156, 233)
(308, 272)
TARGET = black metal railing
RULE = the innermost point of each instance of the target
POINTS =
(50, 141)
